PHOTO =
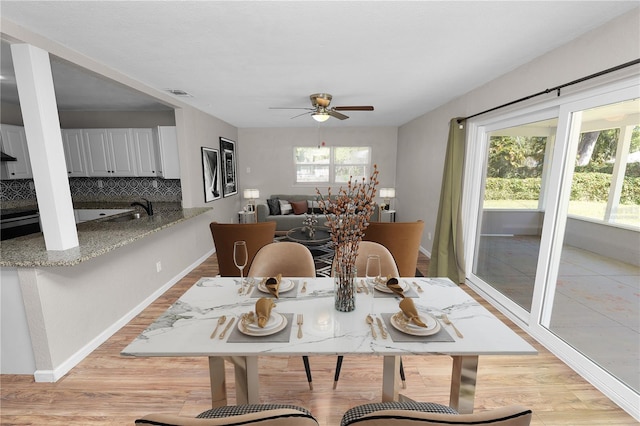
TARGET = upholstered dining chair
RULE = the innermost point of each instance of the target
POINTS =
(402, 239)
(256, 414)
(291, 260)
(224, 235)
(431, 414)
(387, 267)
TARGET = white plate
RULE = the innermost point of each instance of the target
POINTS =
(383, 287)
(285, 285)
(277, 322)
(433, 326)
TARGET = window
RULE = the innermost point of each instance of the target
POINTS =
(331, 164)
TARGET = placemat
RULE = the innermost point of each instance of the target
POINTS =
(399, 336)
(291, 294)
(282, 336)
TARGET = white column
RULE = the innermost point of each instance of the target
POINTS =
(44, 140)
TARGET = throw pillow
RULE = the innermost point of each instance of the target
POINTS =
(285, 207)
(274, 206)
(299, 207)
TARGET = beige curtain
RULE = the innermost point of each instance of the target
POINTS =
(447, 253)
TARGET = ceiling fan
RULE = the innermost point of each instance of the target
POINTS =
(320, 110)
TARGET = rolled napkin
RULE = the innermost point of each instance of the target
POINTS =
(410, 311)
(394, 285)
(263, 310)
(273, 285)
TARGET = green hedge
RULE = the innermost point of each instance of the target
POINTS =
(586, 187)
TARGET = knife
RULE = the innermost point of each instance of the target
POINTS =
(382, 331)
(227, 328)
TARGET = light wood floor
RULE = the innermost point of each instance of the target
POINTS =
(106, 388)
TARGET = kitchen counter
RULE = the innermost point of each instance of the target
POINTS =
(95, 237)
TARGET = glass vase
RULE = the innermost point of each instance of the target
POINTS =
(344, 277)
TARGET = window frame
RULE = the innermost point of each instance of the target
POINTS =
(332, 164)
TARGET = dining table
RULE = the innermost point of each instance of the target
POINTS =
(216, 318)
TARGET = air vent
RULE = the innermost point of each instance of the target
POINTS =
(178, 92)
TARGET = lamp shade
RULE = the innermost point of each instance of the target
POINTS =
(387, 192)
(251, 193)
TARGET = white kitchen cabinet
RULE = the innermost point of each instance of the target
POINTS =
(109, 152)
(145, 153)
(167, 159)
(122, 152)
(14, 143)
(74, 155)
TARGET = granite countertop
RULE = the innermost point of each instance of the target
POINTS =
(95, 238)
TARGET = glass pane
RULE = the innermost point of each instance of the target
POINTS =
(596, 303)
(346, 173)
(312, 155)
(512, 213)
(312, 173)
(351, 155)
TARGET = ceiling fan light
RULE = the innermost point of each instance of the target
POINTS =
(320, 117)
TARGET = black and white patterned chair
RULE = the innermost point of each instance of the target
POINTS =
(431, 414)
(254, 414)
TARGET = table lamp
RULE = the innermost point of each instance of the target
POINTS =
(252, 195)
(387, 194)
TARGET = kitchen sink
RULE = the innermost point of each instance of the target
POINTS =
(125, 218)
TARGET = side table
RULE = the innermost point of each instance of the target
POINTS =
(247, 217)
(387, 216)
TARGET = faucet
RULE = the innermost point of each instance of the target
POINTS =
(148, 208)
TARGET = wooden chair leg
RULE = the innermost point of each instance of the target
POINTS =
(307, 369)
(336, 376)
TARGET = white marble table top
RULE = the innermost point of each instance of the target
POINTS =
(185, 328)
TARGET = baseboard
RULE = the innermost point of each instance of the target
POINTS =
(57, 373)
(425, 252)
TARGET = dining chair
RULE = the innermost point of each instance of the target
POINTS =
(255, 414)
(411, 413)
(387, 268)
(257, 235)
(402, 239)
(291, 260)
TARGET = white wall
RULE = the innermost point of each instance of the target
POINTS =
(268, 154)
(422, 142)
(195, 129)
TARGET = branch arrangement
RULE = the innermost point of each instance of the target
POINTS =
(348, 215)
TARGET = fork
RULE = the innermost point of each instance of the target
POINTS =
(300, 321)
(447, 321)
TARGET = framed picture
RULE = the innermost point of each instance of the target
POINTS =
(211, 173)
(229, 176)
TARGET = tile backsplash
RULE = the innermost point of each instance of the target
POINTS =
(100, 189)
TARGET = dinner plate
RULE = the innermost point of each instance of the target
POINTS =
(285, 285)
(277, 322)
(433, 326)
(383, 287)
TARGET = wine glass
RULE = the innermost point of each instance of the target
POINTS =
(240, 258)
(373, 269)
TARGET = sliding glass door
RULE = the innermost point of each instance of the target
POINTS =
(552, 218)
(512, 208)
(595, 307)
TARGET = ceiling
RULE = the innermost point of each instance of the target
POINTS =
(238, 59)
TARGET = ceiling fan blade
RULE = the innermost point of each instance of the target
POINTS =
(353, 108)
(308, 109)
(336, 114)
(300, 115)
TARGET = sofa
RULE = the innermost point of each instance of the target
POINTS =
(288, 211)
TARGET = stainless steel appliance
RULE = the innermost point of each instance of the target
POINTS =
(18, 222)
